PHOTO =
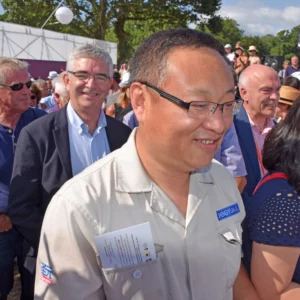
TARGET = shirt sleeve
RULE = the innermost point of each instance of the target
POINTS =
(287, 71)
(231, 154)
(276, 221)
(130, 120)
(40, 112)
(67, 266)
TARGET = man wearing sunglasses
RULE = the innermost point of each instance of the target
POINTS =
(63, 144)
(182, 92)
(14, 115)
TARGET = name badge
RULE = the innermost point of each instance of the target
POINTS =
(228, 212)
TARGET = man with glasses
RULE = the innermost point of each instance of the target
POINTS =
(64, 143)
(15, 114)
(163, 176)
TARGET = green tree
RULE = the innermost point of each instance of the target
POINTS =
(257, 41)
(34, 13)
(137, 32)
(268, 42)
(230, 31)
(95, 18)
(285, 43)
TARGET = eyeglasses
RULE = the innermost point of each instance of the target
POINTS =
(85, 77)
(33, 97)
(18, 86)
(200, 109)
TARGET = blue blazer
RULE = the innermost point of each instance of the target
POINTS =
(247, 144)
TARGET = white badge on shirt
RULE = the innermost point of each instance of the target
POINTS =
(126, 247)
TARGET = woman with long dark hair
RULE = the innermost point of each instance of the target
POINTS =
(272, 224)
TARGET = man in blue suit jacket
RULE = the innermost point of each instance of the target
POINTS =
(53, 149)
(259, 88)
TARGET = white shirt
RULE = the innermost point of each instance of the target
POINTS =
(125, 78)
(231, 57)
(198, 257)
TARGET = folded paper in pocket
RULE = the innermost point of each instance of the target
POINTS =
(126, 247)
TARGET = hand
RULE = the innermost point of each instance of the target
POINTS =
(5, 224)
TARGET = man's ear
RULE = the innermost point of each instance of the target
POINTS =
(57, 96)
(66, 80)
(244, 94)
(137, 96)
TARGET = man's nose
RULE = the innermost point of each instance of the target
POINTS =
(90, 82)
(26, 90)
(216, 122)
(274, 95)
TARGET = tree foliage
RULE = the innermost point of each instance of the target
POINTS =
(97, 18)
(284, 43)
(230, 31)
(34, 13)
(129, 22)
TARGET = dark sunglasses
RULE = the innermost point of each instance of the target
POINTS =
(18, 86)
(33, 97)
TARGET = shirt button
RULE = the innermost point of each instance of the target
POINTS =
(137, 274)
(9, 131)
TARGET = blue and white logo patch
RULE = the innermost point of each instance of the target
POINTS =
(228, 212)
(46, 273)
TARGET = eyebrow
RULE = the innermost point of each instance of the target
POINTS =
(269, 87)
(231, 90)
(202, 91)
(17, 82)
(85, 72)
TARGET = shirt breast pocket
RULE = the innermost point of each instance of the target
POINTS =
(231, 240)
(141, 282)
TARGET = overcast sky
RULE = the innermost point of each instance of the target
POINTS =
(260, 17)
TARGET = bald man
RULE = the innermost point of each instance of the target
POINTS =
(259, 88)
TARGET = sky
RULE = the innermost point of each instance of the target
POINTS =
(260, 17)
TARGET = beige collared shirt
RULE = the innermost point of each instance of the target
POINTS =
(197, 257)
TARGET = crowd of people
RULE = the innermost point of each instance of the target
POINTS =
(196, 140)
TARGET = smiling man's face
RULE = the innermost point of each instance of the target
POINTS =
(262, 93)
(88, 94)
(181, 142)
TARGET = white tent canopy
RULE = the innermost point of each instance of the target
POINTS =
(26, 42)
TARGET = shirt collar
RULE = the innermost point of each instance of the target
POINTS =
(79, 124)
(137, 181)
(270, 123)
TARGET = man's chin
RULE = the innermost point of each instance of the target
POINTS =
(269, 113)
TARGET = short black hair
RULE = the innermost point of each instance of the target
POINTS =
(281, 147)
(292, 82)
(149, 61)
(117, 77)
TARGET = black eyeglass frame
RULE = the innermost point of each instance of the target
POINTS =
(89, 76)
(18, 86)
(184, 104)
